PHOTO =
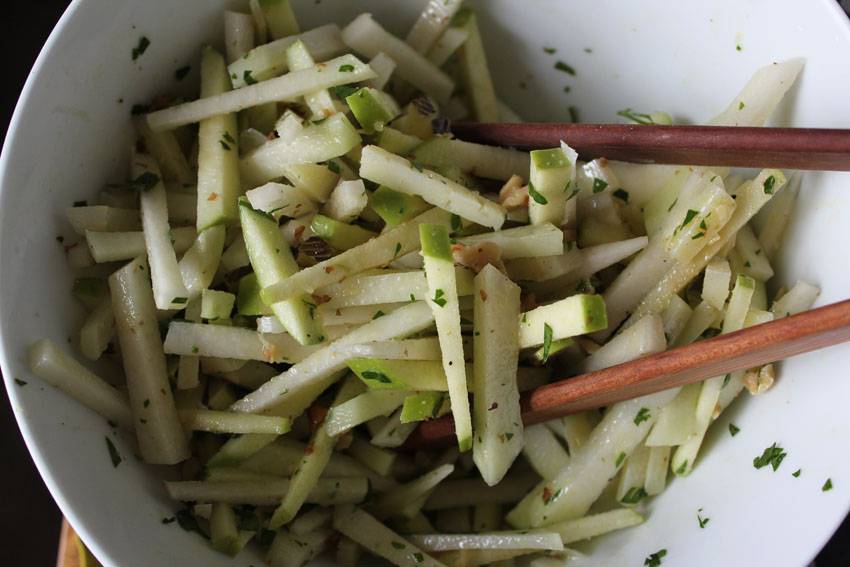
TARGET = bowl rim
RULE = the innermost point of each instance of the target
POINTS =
(102, 552)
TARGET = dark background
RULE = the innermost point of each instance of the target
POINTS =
(29, 519)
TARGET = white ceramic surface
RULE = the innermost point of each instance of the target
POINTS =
(70, 135)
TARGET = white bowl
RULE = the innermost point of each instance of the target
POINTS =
(70, 135)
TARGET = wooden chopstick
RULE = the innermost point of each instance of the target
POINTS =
(794, 148)
(754, 346)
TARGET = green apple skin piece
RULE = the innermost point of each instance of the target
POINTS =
(550, 180)
(443, 300)
(272, 261)
(576, 315)
(422, 406)
(218, 150)
(397, 142)
(372, 108)
(248, 301)
(280, 18)
(395, 207)
(340, 235)
(380, 374)
(554, 348)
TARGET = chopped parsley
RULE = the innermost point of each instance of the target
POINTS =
(654, 559)
(702, 521)
(599, 185)
(412, 298)
(768, 185)
(620, 458)
(397, 250)
(638, 117)
(726, 380)
(561, 66)
(396, 544)
(195, 350)
(439, 298)
(376, 376)
(796, 473)
(20, 382)
(536, 195)
(741, 105)
(698, 235)
(673, 204)
(733, 429)
(224, 145)
(248, 78)
(377, 314)
(682, 468)
(573, 114)
(550, 50)
(689, 216)
(146, 403)
(142, 46)
(418, 557)
(622, 194)
(634, 495)
(455, 222)
(168, 520)
(333, 166)
(642, 415)
(181, 73)
(547, 341)
(347, 68)
(509, 435)
(145, 181)
(772, 456)
(827, 485)
(113, 452)
(343, 91)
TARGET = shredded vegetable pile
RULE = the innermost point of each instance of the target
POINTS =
(304, 264)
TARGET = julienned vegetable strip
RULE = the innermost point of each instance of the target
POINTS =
(379, 539)
(158, 430)
(339, 71)
(498, 427)
(365, 36)
(59, 369)
(169, 290)
(303, 382)
(384, 168)
(443, 301)
(218, 150)
(328, 491)
(376, 253)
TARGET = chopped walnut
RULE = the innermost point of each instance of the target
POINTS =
(759, 380)
(513, 195)
(477, 256)
(312, 251)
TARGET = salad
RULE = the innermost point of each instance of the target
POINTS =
(304, 264)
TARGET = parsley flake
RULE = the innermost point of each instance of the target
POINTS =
(620, 458)
(547, 341)
(396, 544)
(827, 485)
(549, 50)
(599, 185)
(702, 521)
(796, 473)
(333, 166)
(536, 195)
(622, 194)
(768, 185)
(439, 298)
(455, 222)
(143, 45)
(689, 216)
(248, 78)
(634, 495)
(642, 415)
(654, 559)
(377, 314)
(20, 382)
(347, 68)
(772, 456)
(733, 429)
(561, 66)
(113, 452)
